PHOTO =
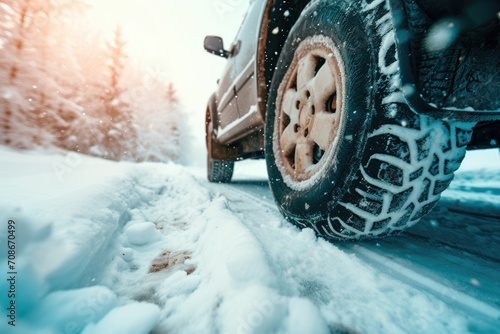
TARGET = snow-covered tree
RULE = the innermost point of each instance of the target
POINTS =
(31, 85)
(63, 85)
(117, 126)
(158, 116)
(171, 97)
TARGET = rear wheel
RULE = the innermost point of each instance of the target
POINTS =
(345, 155)
(219, 171)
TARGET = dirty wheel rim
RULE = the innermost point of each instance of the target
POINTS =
(310, 109)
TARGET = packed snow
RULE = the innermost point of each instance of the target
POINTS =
(107, 247)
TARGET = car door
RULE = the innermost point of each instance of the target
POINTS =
(227, 107)
(245, 82)
(238, 104)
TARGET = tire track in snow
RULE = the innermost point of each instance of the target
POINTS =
(405, 274)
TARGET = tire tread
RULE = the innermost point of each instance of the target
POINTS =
(220, 171)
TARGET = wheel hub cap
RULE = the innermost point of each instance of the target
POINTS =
(310, 109)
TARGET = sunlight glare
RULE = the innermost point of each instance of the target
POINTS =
(144, 24)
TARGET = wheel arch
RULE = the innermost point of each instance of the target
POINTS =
(211, 112)
(271, 41)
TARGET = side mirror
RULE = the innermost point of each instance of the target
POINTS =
(215, 45)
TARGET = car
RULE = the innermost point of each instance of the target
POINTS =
(363, 109)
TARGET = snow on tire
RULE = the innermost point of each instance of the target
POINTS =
(345, 154)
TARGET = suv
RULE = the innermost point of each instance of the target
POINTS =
(363, 109)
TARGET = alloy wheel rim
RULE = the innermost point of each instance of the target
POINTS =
(310, 110)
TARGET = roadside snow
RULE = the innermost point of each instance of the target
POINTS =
(106, 247)
(134, 318)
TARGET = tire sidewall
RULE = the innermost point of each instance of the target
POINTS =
(359, 61)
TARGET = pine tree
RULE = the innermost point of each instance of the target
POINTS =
(85, 135)
(172, 97)
(120, 136)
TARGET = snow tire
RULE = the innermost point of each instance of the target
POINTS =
(220, 171)
(387, 166)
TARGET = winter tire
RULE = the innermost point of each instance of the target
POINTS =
(219, 171)
(345, 154)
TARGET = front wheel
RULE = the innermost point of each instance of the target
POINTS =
(345, 155)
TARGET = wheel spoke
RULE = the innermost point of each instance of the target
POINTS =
(306, 71)
(294, 117)
(288, 140)
(323, 129)
(323, 86)
(303, 156)
(289, 101)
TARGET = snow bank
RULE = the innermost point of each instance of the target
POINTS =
(67, 211)
(69, 311)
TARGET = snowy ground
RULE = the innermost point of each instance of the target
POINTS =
(105, 247)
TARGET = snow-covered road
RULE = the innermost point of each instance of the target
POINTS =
(453, 255)
(107, 247)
